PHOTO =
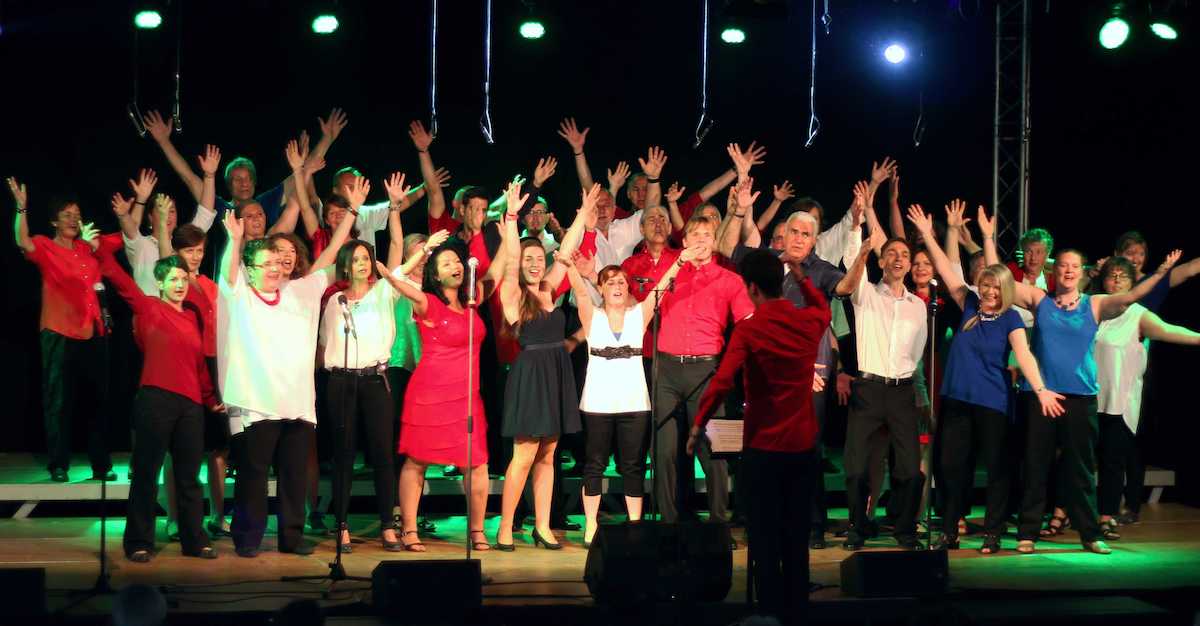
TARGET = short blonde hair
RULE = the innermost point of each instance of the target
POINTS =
(1008, 289)
(696, 221)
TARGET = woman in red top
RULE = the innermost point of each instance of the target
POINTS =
(167, 410)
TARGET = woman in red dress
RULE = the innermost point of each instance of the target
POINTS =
(433, 425)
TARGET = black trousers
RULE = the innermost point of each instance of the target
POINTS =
(398, 378)
(816, 508)
(630, 431)
(1121, 469)
(777, 487)
(874, 405)
(1075, 433)
(676, 402)
(165, 421)
(362, 399)
(967, 428)
(286, 443)
(71, 369)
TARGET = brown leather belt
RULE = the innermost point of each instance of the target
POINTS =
(616, 352)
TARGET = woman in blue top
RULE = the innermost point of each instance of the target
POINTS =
(1067, 322)
(974, 410)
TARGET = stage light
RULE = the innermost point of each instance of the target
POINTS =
(1164, 30)
(147, 19)
(733, 36)
(532, 29)
(325, 24)
(895, 54)
(1114, 33)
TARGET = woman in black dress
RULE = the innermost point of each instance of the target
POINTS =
(540, 403)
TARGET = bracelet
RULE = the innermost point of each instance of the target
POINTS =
(139, 203)
(651, 180)
(353, 212)
(679, 262)
(393, 207)
(578, 154)
(739, 215)
(21, 210)
(422, 151)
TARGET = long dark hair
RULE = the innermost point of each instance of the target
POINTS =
(530, 307)
(345, 259)
(429, 278)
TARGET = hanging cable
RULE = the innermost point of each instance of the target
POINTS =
(919, 130)
(826, 18)
(178, 63)
(135, 114)
(433, 115)
(704, 124)
(814, 123)
(485, 122)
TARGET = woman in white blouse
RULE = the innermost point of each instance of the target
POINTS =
(614, 395)
(1120, 351)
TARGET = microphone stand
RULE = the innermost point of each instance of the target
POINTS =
(654, 423)
(470, 406)
(933, 310)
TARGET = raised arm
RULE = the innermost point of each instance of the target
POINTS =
(142, 188)
(1154, 328)
(1108, 307)
(356, 193)
(924, 223)
(160, 131)
(291, 210)
(210, 161)
(673, 194)
(122, 281)
(1049, 399)
(331, 128)
(746, 197)
(510, 286)
(879, 173)
(162, 212)
(574, 234)
(21, 220)
(780, 193)
(616, 178)
(652, 167)
(894, 199)
(1185, 272)
(583, 300)
(121, 207)
(1026, 296)
(856, 273)
(685, 256)
(571, 133)
(394, 185)
(232, 259)
(433, 189)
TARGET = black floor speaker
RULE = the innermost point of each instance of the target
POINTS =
(895, 574)
(23, 591)
(427, 588)
(647, 561)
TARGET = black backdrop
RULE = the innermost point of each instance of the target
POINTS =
(1111, 142)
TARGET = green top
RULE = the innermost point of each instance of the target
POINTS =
(406, 349)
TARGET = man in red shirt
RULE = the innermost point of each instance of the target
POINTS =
(74, 336)
(776, 348)
(705, 298)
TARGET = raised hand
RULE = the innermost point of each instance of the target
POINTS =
(1170, 261)
(162, 207)
(437, 239)
(554, 227)
(894, 185)
(420, 137)
(357, 192)
(590, 196)
(295, 157)
(514, 199)
(234, 225)
(160, 130)
(88, 234)
(746, 194)
(569, 131)
(987, 226)
(567, 260)
(954, 214)
(442, 175)
(120, 204)
(544, 170)
(585, 263)
(882, 171)
(653, 164)
(144, 185)
(332, 126)
(617, 179)
(210, 161)
(921, 220)
(755, 154)
(396, 190)
(877, 238)
(20, 196)
(304, 141)
(675, 192)
(783, 192)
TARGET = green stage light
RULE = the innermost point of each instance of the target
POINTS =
(1164, 30)
(1114, 33)
(147, 19)
(532, 29)
(325, 24)
(733, 36)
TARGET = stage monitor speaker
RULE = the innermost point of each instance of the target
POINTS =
(23, 591)
(895, 574)
(653, 561)
(427, 588)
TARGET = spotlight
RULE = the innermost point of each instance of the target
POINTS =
(325, 24)
(895, 54)
(733, 36)
(532, 29)
(147, 19)
(1164, 30)
(1114, 33)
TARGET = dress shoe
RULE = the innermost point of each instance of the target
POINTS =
(218, 528)
(59, 475)
(564, 524)
(246, 553)
(107, 475)
(538, 539)
(943, 542)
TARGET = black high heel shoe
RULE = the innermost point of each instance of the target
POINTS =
(537, 538)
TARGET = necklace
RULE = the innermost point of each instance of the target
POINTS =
(988, 317)
(1070, 305)
(278, 295)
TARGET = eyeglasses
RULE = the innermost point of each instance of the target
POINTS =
(538, 212)
(1118, 276)
(267, 265)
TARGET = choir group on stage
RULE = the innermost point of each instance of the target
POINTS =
(1047, 351)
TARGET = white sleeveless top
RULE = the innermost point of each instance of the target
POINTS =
(1120, 364)
(615, 385)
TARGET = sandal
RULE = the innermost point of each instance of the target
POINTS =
(1025, 546)
(479, 546)
(415, 546)
(1108, 529)
(1054, 530)
(991, 545)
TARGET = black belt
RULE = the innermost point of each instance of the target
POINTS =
(890, 382)
(545, 346)
(370, 370)
(688, 358)
(616, 352)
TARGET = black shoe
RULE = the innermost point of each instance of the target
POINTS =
(911, 544)
(852, 544)
(424, 526)
(301, 549)
(564, 524)
(1128, 518)
(206, 552)
(140, 556)
(246, 553)
(451, 470)
(816, 541)
(943, 542)
(537, 538)
(59, 475)
(108, 475)
(217, 530)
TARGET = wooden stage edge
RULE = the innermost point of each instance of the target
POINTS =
(1157, 558)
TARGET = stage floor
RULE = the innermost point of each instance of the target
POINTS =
(1159, 554)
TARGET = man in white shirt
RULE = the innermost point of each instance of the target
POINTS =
(266, 354)
(890, 327)
(615, 239)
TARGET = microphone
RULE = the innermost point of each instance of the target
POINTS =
(347, 316)
(641, 280)
(933, 283)
(933, 297)
(472, 266)
(102, 297)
